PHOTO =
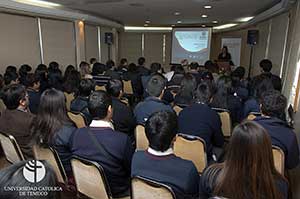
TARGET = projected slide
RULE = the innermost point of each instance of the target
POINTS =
(192, 44)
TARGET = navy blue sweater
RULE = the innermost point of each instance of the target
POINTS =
(181, 175)
(117, 166)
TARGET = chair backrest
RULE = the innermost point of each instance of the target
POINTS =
(11, 149)
(177, 109)
(278, 156)
(253, 115)
(142, 142)
(90, 178)
(100, 88)
(191, 148)
(69, 99)
(128, 87)
(51, 156)
(78, 119)
(143, 188)
(226, 121)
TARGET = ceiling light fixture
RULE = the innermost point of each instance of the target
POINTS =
(215, 21)
(204, 16)
(179, 21)
(146, 24)
(203, 26)
(225, 26)
(136, 28)
(245, 19)
(208, 7)
(147, 21)
(177, 13)
(39, 3)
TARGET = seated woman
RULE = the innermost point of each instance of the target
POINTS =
(52, 126)
(184, 97)
(248, 170)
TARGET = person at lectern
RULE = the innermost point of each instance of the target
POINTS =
(224, 55)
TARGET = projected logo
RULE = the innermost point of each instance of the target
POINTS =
(192, 41)
(34, 171)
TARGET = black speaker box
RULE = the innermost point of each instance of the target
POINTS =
(252, 38)
(109, 38)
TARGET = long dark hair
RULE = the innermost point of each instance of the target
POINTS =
(187, 86)
(51, 116)
(223, 90)
(248, 171)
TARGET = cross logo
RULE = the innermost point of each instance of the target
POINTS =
(34, 171)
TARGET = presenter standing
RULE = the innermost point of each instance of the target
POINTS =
(224, 55)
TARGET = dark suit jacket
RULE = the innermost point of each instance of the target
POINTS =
(17, 123)
(117, 166)
(34, 100)
(181, 175)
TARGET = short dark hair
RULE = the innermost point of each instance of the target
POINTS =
(11, 69)
(114, 87)
(12, 96)
(141, 60)
(239, 72)
(98, 104)
(98, 68)
(194, 65)
(53, 66)
(24, 69)
(32, 79)
(123, 61)
(266, 65)
(156, 85)
(86, 86)
(161, 128)
(203, 93)
(155, 67)
(110, 63)
(273, 103)
(92, 60)
(9, 77)
(132, 67)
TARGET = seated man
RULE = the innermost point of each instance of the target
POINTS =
(159, 162)
(80, 103)
(33, 90)
(123, 118)
(273, 105)
(155, 88)
(202, 121)
(101, 143)
(16, 119)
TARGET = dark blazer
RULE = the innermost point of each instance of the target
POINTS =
(113, 74)
(251, 105)
(149, 106)
(181, 175)
(17, 123)
(117, 166)
(200, 120)
(143, 71)
(62, 143)
(123, 118)
(209, 179)
(282, 136)
(80, 104)
(34, 100)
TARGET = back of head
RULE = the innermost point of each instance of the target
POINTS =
(239, 72)
(123, 61)
(262, 85)
(98, 105)
(10, 77)
(114, 87)
(13, 94)
(179, 69)
(93, 60)
(141, 61)
(68, 70)
(249, 170)
(41, 69)
(13, 176)
(86, 86)
(110, 64)
(203, 93)
(98, 68)
(266, 65)
(24, 69)
(11, 69)
(32, 79)
(194, 66)
(156, 85)
(161, 128)
(132, 67)
(188, 85)
(53, 66)
(273, 104)
(155, 67)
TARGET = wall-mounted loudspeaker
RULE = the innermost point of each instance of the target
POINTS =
(252, 38)
(109, 38)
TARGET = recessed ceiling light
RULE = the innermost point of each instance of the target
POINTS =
(215, 21)
(245, 19)
(208, 7)
(177, 13)
(147, 21)
(173, 25)
(204, 16)
(225, 26)
(179, 21)
(203, 26)
(40, 3)
(146, 24)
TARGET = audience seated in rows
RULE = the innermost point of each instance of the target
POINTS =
(101, 143)
(98, 74)
(143, 71)
(15, 120)
(159, 163)
(273, 105)
(123, 67)
(155, 88)
(42, 71)
(200, 120)
(110, 70)
(52, 126)
(23, 71)
(248, 170)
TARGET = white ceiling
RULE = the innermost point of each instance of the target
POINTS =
(161, 12)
